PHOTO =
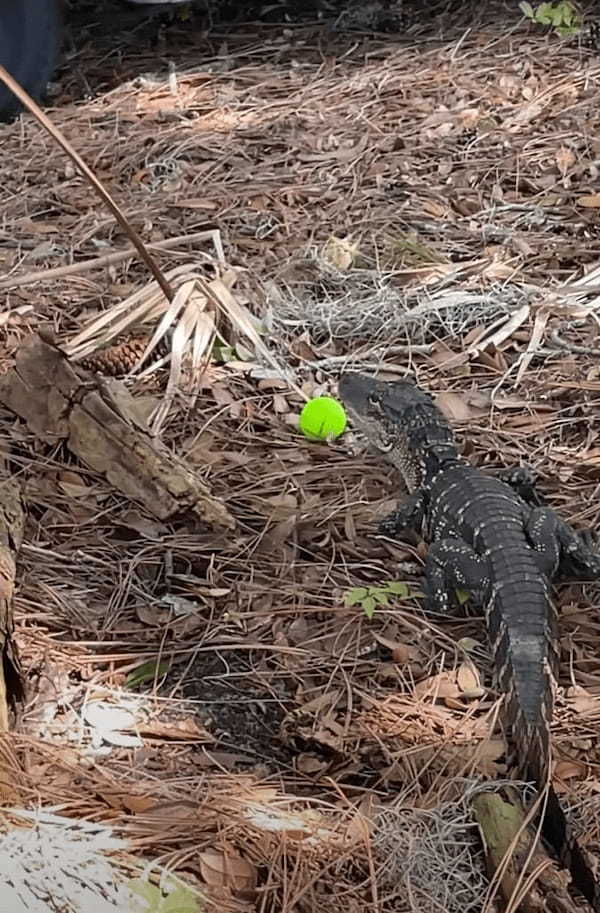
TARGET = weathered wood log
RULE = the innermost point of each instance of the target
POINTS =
(102, 425)
(508, 841)
(12, 521)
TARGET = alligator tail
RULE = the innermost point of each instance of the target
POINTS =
(534, 753)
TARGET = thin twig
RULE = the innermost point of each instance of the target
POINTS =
(104, 195)
(84, 266)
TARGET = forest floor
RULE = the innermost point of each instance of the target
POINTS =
(425, 202)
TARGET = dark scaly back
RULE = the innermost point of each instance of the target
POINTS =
(405, 426)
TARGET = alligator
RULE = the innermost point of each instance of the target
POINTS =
(493, 537)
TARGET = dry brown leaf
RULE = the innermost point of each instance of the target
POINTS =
(297, 631)
(454, 406)
(565, 159)
(436, 209)
(580, 700)
(72, 484)
(340, 252)
(280, 404)
(468, 680)
(310, 764)
(138, 804)
(569, 770)
(439, 687)
(152, 616)
(486, 754)
(590, 201)
(181, 730)
(402, 653)
(282, 503)
(227, 870)
(454, 703)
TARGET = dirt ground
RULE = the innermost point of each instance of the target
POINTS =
(421, 202)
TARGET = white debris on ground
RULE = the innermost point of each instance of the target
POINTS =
(59, 865)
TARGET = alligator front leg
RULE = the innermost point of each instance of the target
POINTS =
(450, 565)
(561, 549)
(407, 520)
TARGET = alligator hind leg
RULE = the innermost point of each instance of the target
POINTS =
(450, 565)
(522, 480)
(561, 549)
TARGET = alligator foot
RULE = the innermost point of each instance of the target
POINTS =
(561, 549)
(522, 480)
(406, 522)
(451, 565)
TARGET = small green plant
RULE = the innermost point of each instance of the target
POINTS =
(462, 596)
(147, 672)
(369, 597)
(175, 898)
(562, 16)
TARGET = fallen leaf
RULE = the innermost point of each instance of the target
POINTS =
(438, 686)
(149, 529)
(147, 672)
(280, 404)
(565, 159)
(569, 770)
(227, 870)
(591, 201)
(310, 764)
(137, 804)
(339, 252)
(580, 700)
(469, 117)
(487, 754)
(454, 406)
(401, 653)
(468, 680)
(180, 730)
(72, 484)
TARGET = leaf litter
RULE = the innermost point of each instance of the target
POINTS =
(422, 205)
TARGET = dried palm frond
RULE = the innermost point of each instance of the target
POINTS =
(201, 312)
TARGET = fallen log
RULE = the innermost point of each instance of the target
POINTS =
(528, 879)
(102, 426)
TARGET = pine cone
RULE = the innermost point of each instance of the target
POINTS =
(121, 357)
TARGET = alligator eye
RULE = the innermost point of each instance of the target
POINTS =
(386, 445)
(373, 399)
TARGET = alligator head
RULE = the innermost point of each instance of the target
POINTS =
(402, 423)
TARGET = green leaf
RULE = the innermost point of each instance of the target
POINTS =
(568, 14)
(544, 14)
(462, 596)
(397, 587)
(369, 607)
(147, 672)
(380, 596)
(526, 9)
(468, 644)
(181, 900)
(149, 896)
(356, 595)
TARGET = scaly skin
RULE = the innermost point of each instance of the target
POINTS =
(505, 549)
